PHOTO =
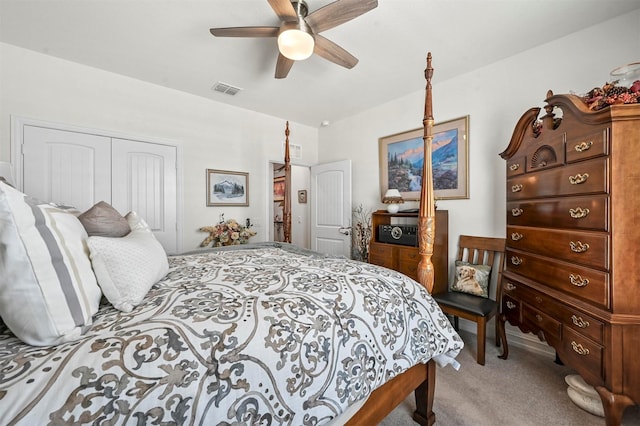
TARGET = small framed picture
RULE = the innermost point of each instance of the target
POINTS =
(302, 196)
(226, 188)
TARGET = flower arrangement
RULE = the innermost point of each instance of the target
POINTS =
(227, 233)
(361, 229)
(612, 94)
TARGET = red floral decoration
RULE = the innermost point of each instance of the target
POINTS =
(611, 94)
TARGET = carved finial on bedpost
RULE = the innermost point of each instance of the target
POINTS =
(427, 216)
(286, 212)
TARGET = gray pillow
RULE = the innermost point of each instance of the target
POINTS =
(102, 220)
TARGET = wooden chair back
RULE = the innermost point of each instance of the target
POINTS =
(483, 251)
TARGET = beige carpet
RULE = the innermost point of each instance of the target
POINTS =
(526, 389)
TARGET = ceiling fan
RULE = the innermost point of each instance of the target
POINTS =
(299, 33)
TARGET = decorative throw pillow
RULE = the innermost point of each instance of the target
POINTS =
(472, 279)
(136, 223)
(48, 292)
(103, 220)
(127, 267)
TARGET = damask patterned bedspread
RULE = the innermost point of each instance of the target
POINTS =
(265, 335)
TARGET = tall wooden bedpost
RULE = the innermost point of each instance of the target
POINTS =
(427, 216)
(287, 188)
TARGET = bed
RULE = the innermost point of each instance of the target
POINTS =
(255, 334)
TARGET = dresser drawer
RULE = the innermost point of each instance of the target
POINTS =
(408, 260)
(582, 354)
(516, 166)
(582, 323)
(588, 213)
(586, 177)
(585, 248)
(382, 255)
(537, 320)
(588, 284)
(510, 307)
(591, 145)
(546, 154)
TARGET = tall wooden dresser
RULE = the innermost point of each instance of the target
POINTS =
(573, 241)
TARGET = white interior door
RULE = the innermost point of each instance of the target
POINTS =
(80, 168)
(331, 208)
(66, 167)
(144, 181)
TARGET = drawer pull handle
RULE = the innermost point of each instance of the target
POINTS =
(516, 212)
(584, 146)
(517, 187)
(579, 247)
(538, 299)
(579, 348)
(578, 321)
(578, 179)
(510, 304)
(516, 236)
(539, 318)
(514, 167)
(515, 260)
(510, 286)
(578, 281)
(579, 213)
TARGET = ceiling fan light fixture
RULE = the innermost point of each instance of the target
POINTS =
(295, 41)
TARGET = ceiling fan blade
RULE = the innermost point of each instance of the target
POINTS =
(334, 53)
(338, 12)
(284, 9)
(245, 32)
(283, 66)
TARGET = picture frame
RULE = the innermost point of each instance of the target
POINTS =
(302, 196)
(227, 188)
(401, 159)
(278, 188)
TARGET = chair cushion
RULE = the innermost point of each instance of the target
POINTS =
(472, 279)
(477, 305)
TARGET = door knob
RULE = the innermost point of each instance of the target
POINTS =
(345, 230)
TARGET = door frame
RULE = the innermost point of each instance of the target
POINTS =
(269, 191)
(17, 137)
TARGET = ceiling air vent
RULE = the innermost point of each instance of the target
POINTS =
(295, 151)
(225, 88)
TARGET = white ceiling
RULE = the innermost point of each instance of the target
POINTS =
(167, 42)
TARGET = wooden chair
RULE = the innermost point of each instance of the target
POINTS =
(477, 251)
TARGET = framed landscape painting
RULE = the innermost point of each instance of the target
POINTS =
(402, 157)
(226, 188)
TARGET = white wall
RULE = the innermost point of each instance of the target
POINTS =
(211, 134)
(300, 213)
(494, 97)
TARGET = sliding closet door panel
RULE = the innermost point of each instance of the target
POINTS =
(144, 181)
(66, 167)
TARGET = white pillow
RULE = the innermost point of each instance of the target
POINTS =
(48, 293)
(127, 267)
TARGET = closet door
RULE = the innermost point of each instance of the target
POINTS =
(144, 180)
(65, 167)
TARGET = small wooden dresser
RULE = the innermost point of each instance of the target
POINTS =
(573, 241)
(404, 258)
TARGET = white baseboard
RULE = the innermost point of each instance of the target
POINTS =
(515, 337)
